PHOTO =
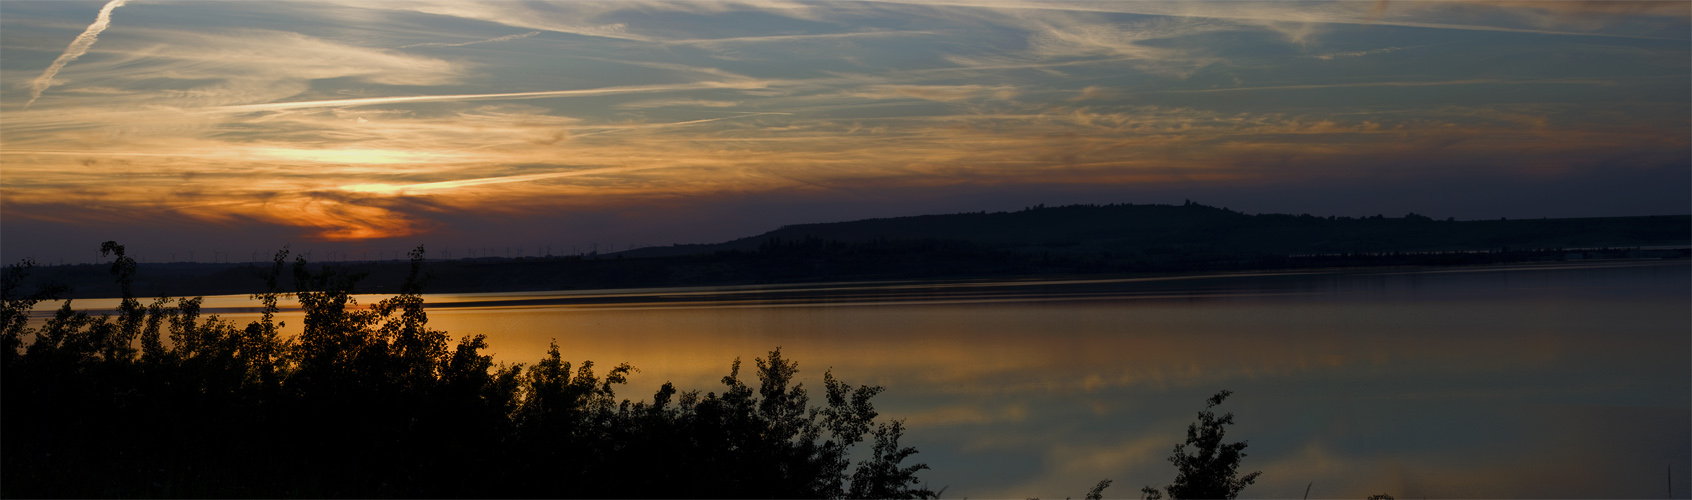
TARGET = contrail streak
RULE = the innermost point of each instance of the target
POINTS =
(402, 188)
(495, 39)
(77, 48)
(1476, 81)
(671, 124)
(342, 103)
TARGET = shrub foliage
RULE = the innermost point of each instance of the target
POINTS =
(157, 400)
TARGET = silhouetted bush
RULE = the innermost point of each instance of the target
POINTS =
(371, 402)
(1211, 469)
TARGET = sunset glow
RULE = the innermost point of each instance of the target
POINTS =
(394, 123)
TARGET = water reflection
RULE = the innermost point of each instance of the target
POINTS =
(1525, 381)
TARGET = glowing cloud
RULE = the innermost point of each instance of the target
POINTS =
(396, 189)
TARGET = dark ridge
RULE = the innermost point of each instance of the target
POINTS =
(1075, 239)
(1116, 227)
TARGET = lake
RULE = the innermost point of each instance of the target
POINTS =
(1543, 381)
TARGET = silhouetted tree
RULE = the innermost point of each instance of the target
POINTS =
(15, 305)
(1097, 493)
(1211, 470)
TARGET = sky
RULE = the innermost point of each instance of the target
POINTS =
(209, 131)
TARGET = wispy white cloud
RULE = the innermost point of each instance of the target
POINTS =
(588, 18)
(943, 93)
(401, 189)
(678, 67)
(461, 44)
(560, 18)
(796, 38)
(200, 68)
(77, 48)
(1549, 18)
(1358, 53)
(368, 101)
(1055, 38)
(677, 102)
(616, 128)
(1407, 83)
(1130, 42)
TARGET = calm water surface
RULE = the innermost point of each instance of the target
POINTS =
(1568, 380)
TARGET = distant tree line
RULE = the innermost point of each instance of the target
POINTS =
(805, 259)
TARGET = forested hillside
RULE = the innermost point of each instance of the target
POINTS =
(1078, 239)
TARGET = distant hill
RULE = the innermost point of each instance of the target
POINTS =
(1076, 239)
(1128, 227)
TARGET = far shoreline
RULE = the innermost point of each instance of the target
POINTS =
(860, 292)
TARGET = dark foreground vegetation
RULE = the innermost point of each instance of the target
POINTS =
(1070, 240)
(371, 402)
